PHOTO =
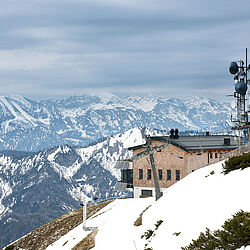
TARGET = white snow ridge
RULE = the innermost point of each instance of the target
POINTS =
(198, 201)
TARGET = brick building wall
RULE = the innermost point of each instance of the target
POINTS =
(172, 158)
(199, 159)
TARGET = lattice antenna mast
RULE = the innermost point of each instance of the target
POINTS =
(239, 69)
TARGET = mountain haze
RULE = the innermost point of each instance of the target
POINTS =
(28, 125)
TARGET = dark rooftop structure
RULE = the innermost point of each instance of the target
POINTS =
(199, 142)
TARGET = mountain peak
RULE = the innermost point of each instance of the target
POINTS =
(83, 119)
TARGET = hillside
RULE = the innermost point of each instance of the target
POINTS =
(29, 125)
(205, 198)
(36, 188)
(47, 234)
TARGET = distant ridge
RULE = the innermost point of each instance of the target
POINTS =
(27, 125)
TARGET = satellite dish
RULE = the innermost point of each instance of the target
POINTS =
(234, 68)
(241, 87)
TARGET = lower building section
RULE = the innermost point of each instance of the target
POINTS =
(174, 158)
(143, 192)
(126, 180)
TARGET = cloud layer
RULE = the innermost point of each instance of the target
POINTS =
(59, 48)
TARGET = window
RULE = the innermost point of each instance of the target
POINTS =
(227, 141)
(149, 174)
(160, 174)
(216, 155)
(140, 174)
(146, 193)
(211, 155)
(127, 176)
(169, 175)
(178, 175)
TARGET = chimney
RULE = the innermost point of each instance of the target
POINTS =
(172, 133)
(176, 131)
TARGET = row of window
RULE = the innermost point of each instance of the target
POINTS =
(160, 176)
(215, 155)
(211, 154)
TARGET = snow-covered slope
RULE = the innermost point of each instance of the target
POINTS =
(198, 201)
(79, 120)
(38, 187)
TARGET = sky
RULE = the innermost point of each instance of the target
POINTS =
(59, 48)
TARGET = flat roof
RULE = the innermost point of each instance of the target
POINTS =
(198, 142)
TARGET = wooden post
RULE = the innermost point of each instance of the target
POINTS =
(158, 193)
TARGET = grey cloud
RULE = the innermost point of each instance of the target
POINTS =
(106, 45)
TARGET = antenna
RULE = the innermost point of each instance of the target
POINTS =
(239, 70)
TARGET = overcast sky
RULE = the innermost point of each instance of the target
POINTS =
(58, 48)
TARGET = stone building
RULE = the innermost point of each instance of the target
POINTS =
(183, 155)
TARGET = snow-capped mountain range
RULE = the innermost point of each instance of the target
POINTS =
(38, 187)
(28, 125)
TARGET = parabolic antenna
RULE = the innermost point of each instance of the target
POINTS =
(234, 68)
(241, 87)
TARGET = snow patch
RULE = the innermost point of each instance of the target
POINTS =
(5, 190)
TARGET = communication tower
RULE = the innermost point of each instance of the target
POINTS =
(239, 69)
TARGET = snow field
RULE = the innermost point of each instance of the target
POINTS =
(195, 203)
(117, 230)
(109, 235)
(205, 198)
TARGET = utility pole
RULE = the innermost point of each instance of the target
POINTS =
(158, 193)
(149, 150)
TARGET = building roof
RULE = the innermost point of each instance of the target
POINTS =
(198, 142)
